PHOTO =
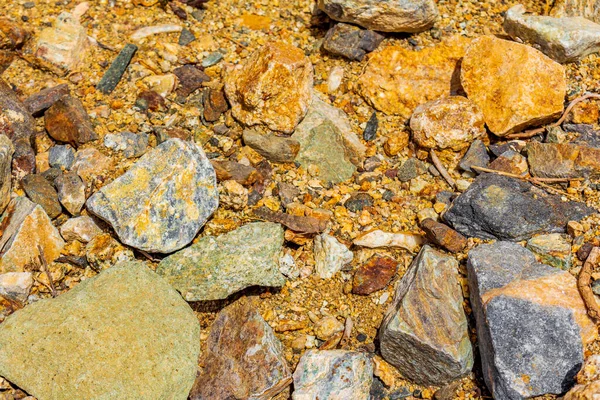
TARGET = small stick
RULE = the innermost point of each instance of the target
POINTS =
(533, 132)
(549, 180)
(584, 284)
(44, 265)
(443, 171)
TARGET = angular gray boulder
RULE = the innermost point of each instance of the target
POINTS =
(425, 331)
(532, 324)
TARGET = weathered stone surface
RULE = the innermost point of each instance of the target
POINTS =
(67, 121)
(215, 267)
(330, 255)
(589, 9)
(386, 16)
(328, 143)
(410, 169)
(241, 173)
(301, 224)
(45, 98)
(273, 148)
(512, 162)
(374, 275)
(553, 249)
(18, 125)
(397, 80)
(358, 201)
(564, 39)
(175, 193)
(244, 360)
(516, 86)
(215, 104)
(103, 251)
(61, 156)
(59, 48)
(425, 331)
(499, 207)
(90, 163)
(16, 285)
(531, 322)
(444, 236)
(6, 151)
(41, 192)
(273, 87)
(447, 123)
(71, 192)
(333, 375)
(146, 336)
(563, 160)
(117, 68)
(82, 229)
(190, 79)
(12, 36)
(350, 41)
(25, 226)
(129, 143)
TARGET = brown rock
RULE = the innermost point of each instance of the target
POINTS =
(512, 162)
(150, 100)
(374, 275)
(25, 226)
(271, 147)
(562, 160)
(443, 236)
(71, 192)
(244, 359)
(6, 58)
(45, 98)
(12, 36)
(90, 163)
(67, 121)
(190, 79)
(40, 191)
(243, 174)
(214, 104)
(515, 85)
(302, 224)
(273, 87)
(450, 122)
(397, 80)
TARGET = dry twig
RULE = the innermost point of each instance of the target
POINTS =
(533, 132)
(584, 284)
(44, 265)
(443, 171)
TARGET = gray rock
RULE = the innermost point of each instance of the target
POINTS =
(130, 144)
(500, 207)
(215, 267)
(350, 41)
(81, 228)
(425, 331)
(410, 169)
(163, 200)
(40, 191)
(333, 375)
(383, 15)
(564, 39)
(16, 285)
(71, 192)
(358, 201)
(477, 155)
(61, 156)
(244, 359)
(273, 148)
(124, 334)
(26, 228)
(6, 151)
(589, 9)
(531, 322)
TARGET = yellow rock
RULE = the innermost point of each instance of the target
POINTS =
(273, 87)
(516, 86)
(397, 80)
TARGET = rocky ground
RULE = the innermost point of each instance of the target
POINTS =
(296, 200)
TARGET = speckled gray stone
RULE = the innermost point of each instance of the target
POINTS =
(532, 325)
(123, 334)
(61, 156)
(425, 331)
(215, 267)
(129, 143)
(163, 200)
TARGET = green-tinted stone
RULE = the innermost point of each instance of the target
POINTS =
(124, 334)
(215, 267)
(113, 74)
(553, 249)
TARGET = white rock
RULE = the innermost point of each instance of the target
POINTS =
(330, 255)
(378, 238)
(82, 229)
(335, 79)
(16, 285)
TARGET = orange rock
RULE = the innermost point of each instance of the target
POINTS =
(255, 22)
(273, 87)
(397, 80)
(516, 86)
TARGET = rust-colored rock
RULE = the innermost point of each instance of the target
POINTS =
(244, 359)
(214, 104)
(297, 223)
(512, 162)
(447, 123)
(243, 174)
(397, 80)
(562, 160)
(273, 87)
(190, 79)
(12, 36)
(443, 236)
(516, 86)
(45, 98)
(67, 121)
(374, 275)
